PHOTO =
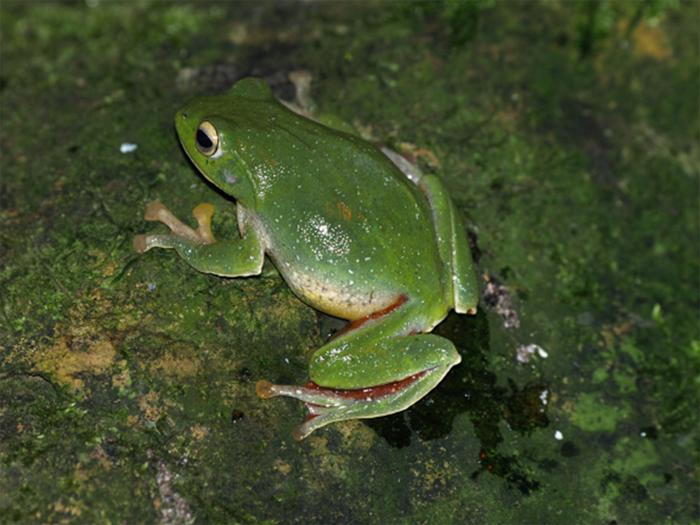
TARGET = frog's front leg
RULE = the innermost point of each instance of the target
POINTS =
(199, 248)
(372, 370)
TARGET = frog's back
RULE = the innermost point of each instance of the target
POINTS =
(356, 234)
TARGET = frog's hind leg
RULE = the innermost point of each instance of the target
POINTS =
(373, 370)
(410, 170)
(452, 240)
(327, 405)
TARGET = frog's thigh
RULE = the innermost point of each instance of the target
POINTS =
(231, 258)
(410, 170)
(353, 365)
(453, 246)
(372, 355)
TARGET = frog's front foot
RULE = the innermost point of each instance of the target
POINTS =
(230, 258)
(157, 211)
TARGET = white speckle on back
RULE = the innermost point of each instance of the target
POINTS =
(323, 237)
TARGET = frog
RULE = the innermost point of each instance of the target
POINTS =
(356, 232)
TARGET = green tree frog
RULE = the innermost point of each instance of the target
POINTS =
(351, 234)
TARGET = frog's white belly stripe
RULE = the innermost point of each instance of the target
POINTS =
(341, 299)
(347, 300)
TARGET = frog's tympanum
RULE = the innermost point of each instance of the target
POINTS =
(351, 234)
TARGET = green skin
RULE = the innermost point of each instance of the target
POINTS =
(351, 234)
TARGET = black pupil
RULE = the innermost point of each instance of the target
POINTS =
(203, 140)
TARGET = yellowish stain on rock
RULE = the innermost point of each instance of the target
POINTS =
(357, 436)
(149, 404)
(66, 363)
(100, 456)
(199, 432)
(173, 366)
(282, 466)
(80, 349)
(122, 380)
(80, 473)
(651, 41)
(331, 463)
(434, 476)
(647, 40)
(67, 509)
(109, 269)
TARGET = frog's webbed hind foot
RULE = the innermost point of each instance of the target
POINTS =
(324, 405)
(158, 212)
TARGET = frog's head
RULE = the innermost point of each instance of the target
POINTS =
(221, 135)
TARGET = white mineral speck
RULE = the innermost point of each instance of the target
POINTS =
(523, 353)
(127, 147)
(558, 435)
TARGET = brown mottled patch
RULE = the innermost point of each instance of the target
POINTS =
(435, 477)
(199, 432)
(109, 269)
(99, 455)
(357, 436)
(174, 366)
(344, 210)
(122, 379)
(282, 466)
(80, 473)
(150, 406)
(67, 509)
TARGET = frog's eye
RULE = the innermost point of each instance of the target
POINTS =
(207, 139)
